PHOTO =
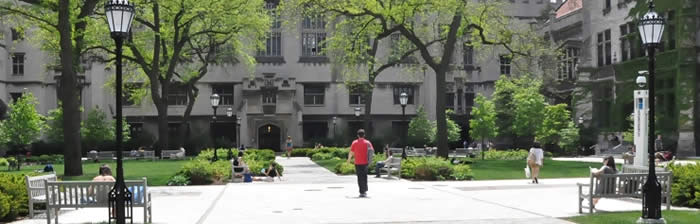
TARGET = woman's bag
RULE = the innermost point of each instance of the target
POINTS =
(527, 171)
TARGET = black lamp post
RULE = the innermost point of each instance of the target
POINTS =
(403, 99)
(580, 125)
(214, 98)
(229, 114)
(120, 14)
(651, 27)
(238, 132)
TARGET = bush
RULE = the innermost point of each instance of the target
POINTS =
(345, 168)
(430, 168)
(322, 156)
(301, 152)
(685, 190)
(462, 172)
(4, 162)
(208, 154)
(13, 197)
(340, 152)
(179, 180)
(506, 155)
(260, 154)
(198, 171)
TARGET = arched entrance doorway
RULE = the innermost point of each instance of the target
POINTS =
(269, 137)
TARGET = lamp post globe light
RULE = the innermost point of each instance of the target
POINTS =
(651, 27)
(403, 99)
(229, 114)
(214, 98)
(120, 14)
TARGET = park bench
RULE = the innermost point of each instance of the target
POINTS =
(628, 168)
(459, 153)
(237, 176)
(474, 151)
(94, 194)
(106, 155)
(623, 185)
(418, 152)
(36, 191)
(396, 151)
(394, 165)
(172, 154)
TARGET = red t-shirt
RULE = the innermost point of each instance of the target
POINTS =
(359, 148)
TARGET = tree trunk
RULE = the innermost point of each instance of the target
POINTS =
(368, 114)
(162, 107)
(68, 94)
(192, 94)
(440, 113)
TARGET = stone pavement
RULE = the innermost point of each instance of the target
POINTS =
(311, 194)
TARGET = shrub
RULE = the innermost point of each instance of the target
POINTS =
(340, 152)
(685, 190)
(322, 156)
(506, 155)
(179, 180)
(260, 154)
(301, 152)
(408, 168)
(207, 154)
(462, 172)
(198, 171)
(345, 168)
(13, 197)
(430, 168)
(45, 159)
(4, 162)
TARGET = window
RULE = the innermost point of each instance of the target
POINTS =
(225, 92)
(403, 89)
(625, 46)
(16, 34)
(604, 48)
(356, 98)
(468, 53)
(450, 101)
(505, 61)
(313, 37)
(273, 43)
(177, 95)
(269, 97)
(15, 96)
(469, 99)
(18, 64)
(568, 63)
(671, 30)
(135, 129)
(314, 94)
(607, 6)
(315, 130)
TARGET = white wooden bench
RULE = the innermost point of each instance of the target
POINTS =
(459, 153)
(394, 165)
(396, 151)
(237, 176)
(623, 185)
(418, 151)
(92, 194)
(36, 190)
(172, 154)
(473, 151)
(149, 155)
(106, 155)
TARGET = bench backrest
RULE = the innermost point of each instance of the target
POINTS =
(149, 154)
(35, 185)
(419, 151)
(395, 161)
(82, 194)
(169, 153)
(106, 154)
(627, 184)
(396, 151)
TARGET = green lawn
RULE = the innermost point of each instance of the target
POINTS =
(157, 172)
(508, 169)
(675, 217)
(513, 169)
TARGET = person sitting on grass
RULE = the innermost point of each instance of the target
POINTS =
(270, 173)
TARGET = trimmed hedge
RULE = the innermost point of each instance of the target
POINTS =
(13, 197)
(506, 155)
(431, 168)
(4, 162)
(201, 171)
(685, 190)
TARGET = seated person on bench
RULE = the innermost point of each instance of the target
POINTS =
(381, 164)
(607, 168)
(240, 168)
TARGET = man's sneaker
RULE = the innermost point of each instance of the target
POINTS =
(377, 176)
(363, 195)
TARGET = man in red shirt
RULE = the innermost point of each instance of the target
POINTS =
(358, 149)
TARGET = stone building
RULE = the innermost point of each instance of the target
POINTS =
(610, 56)
(293, 91)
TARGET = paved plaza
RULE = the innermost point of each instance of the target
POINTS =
(311, 194)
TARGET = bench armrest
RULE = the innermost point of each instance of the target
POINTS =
(582, 185)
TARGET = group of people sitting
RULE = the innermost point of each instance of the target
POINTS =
(242, 171)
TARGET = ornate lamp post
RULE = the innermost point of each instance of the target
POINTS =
(580, 125)
(214, 98)
(651, 28)
(229, 114)
(120, 14)
(358, 111)
(403, 99)
(238, 132)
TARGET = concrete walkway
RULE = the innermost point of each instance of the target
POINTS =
(309, 193)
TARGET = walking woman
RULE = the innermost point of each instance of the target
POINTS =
(534, 160)
(289, 146)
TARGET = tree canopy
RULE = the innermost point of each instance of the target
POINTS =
(483, 122)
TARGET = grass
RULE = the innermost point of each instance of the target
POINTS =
(513, 169)
(157, 172)
(508, 169)
(675, 217)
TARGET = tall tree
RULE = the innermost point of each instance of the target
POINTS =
(71, 22)
(164, 29)
(483, 122)
(424, 22)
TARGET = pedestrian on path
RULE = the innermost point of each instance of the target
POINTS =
(289, 146)
(534, 160)
(359, 149)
